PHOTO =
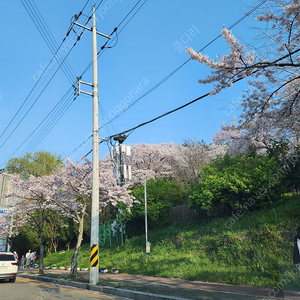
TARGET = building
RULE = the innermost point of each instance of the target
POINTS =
(5, 190)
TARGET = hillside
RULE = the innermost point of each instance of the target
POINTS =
(255, 251)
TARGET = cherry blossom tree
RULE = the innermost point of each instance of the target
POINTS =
(73, 186)
(73, 195)
(35, 203)
(271, 104)
(151, 161)
(239, 141)
(191, 156)
(168, 160)
(66, 193)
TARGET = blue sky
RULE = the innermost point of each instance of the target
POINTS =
(150, 47)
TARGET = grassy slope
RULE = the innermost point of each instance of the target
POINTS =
(256, 251)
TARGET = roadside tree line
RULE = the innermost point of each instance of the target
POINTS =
(53, 209)
(54, 199)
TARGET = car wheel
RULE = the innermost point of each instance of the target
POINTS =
(12, 280)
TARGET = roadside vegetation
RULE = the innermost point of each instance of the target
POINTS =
(212, 216)
(256, 251)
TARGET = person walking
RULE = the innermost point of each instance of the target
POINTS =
(28, 258)
(33, 259)
(22, 263)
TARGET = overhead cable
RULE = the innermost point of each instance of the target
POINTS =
(183, 64)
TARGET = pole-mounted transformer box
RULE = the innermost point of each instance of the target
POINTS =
(120, 157)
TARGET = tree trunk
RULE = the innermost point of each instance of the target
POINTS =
(78, 244)
(55, 245)
(74, 260)
(41, 265)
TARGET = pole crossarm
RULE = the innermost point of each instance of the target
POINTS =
(91, 29)
(78, 89)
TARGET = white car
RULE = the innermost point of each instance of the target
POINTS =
(8, 266)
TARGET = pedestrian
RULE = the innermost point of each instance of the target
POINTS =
(28, 258)
(296, 255)
(22, 262)
(33, 259)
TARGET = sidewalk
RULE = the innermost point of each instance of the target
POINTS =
(170, 287)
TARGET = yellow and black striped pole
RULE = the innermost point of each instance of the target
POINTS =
(94, 262)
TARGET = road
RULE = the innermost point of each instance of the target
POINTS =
(25, 289)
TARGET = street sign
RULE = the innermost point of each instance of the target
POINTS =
(3, 211)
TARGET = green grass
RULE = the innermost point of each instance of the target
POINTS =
(256, 251)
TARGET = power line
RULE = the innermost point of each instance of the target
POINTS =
(130, 13)
(46, 34)
(37, 97)
(56, 113)
(155, 119)
(183, 64)
(98, 5)
(78, 38)
(68, 94)
(189, 103)
(37, 82)
(167, 77)
(27, 97)
(51, 123)
(51, 119)
(41, 134)
(107, 43)
(172, 73)
(103, 49)
(48, 127)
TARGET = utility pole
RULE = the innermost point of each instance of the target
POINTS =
(147, 250)
(146, 225)
(10, 236)
(94, 254)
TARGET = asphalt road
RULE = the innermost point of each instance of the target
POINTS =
(24, 289)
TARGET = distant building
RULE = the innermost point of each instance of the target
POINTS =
(5, 190)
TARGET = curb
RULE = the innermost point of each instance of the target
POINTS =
(202, 292)
(136, 295)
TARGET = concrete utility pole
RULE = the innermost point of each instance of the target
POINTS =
(148, 244)
(94, 254)
(146, 224)
(10, 236)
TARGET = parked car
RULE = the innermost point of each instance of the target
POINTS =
(8, 266)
